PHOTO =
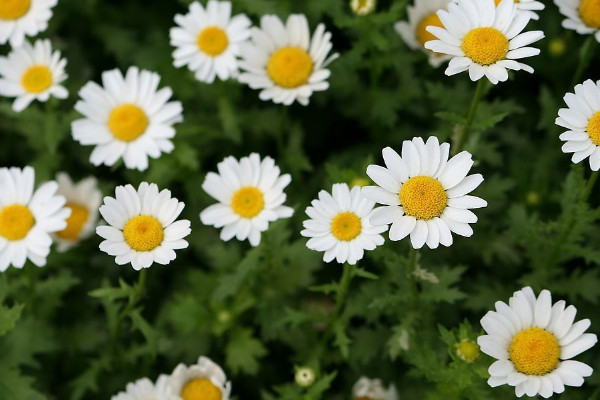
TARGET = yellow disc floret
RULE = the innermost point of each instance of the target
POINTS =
(36, 79)
(75, 223)
(15, 222)
(485, 46)
(423, 197)
(593, 128)
(201, 389)
(143, 233)
(212, 40)
(14, 9)
(423, 36)
(290, 67)
(346, 226)
(247, 202)
(467, 350)
(589, 11)
(127, 122)
(534, 351)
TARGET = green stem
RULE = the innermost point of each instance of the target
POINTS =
(464, 134)
(585, 56)
(589, 187)
(342, 292)
(132, 301)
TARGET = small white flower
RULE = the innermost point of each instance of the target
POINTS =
(484, 39)
(23, 17)
(145, 389)
(208, 40)
(203, 380)
(32, 73)
(339, 225)
(583, 16)
(142, 228)
(534, 342)
(27, 218)
(582, 119)
(128, 118)
(373, 389)
(250, 195)
(83, 199)
(421, 15)
(363, 7)
(424, 194)
(305, 376)
(284, 62)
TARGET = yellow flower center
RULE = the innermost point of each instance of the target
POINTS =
(212, 41)
(15, 222)
(534, 351)
(593, 128)
(75, 223)
(468, 350)
(127, 122)
(248, 202)
(200, 389)
(346, 226)
(485, 46)
(37, 79)
(143, 233)
(589, 11)
(423, 197)
(430, 20)
(14, 9)
(290, 67)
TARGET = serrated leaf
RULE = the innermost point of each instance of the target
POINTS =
(9, 317)
(243, 352)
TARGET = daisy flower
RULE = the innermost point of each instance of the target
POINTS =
(249, 194)
(582, 119)
(284, 62)
(83, 199)
(421, 15)
(142, 229)
(339, 225)
(208, 40)
(32, 73)
(145, 389)
(372, 389)
(483, 39)
(583, 16)
(203, 380)
(363, 7)
(27, 218)
(424, 193)
(23, 17)
(534, 342)
(128, 118)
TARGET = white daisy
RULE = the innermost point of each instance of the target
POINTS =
(208, 40)
(142, 227)
(201, 381)
(534, 342)
(339, 225)
(484, 39)
(83, 199)
(32, 73)
(27, 218)
(250, 195)
(127, 118)
(145, 389)
(23, 17)
(372, 389)
(284, 62)
(424, 194)
(363, 7)
(582, 119)
(421, 15)
(583, 16)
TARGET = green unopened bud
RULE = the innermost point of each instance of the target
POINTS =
(467, 350)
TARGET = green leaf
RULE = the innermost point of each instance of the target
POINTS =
(9, 317)
(243, 352)
(14, 386)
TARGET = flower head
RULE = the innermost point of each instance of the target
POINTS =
(582, 16)
(204, 380)
(305, 376)
(372, 389)
(363, 7)
(23, 17)
(145, 389)
(533, 342)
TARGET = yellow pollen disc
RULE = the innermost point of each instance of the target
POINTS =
(423, 197)
(143, 233)
(589, 11)
(75, 223)
(37, 79)
(430, 20)
(14, 9)
(200, 389)
(248, 202)
(468, 350)
(534, 351)
(290, 67)
(212, 41)
(346, 226)
(15, 222)
(127, 122)
(593, 128)
(485, 46)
